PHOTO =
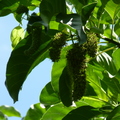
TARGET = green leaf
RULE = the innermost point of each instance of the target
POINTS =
(20, 64)
(57, 69)
(82, 113)
(93, 102)
(35, 112)
(9, 111)
(2, 116)
(87, 10)
(56, 73)
(115, 114)
(116, 55)
(106, 62)
(56, 112)
(8, 6)
(113, 86)
(116, 1)
(112, 9)
(65, 88)
(94, 78)
(49, 8)
(48, 96)
(73, 20)
(17, 35)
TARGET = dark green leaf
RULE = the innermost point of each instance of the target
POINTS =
(116, 1)
(2, 116)
(9, 111)
(49, 8)
(65, 88)
(87, 10)
(48, 95)
(115, 114)
(20, 64)
(82, 113)
(35, 112)
(8, 6)
(73, 20)
(56, 112)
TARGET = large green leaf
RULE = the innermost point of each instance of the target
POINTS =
(49, 8)
(48, 96)
(56, 112)
(56, 73)
(8, 6)
(112, 9)
(20, 64)
(115, 114)
(73, 20)
(82, 113)
(35, 112)
(113, 86)
(9, 111)
(58, 68)
(94, 78)
(116, 55)
(65, 88)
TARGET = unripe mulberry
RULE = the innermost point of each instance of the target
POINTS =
(76, 63)
(36, 35)
(58, 42)
(91, 44)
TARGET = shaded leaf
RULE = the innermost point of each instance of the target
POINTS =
(65, 88)
(115, 114)
(56, 112)
(8, 6)
(87, 10)
(9, 111)
(49, 8)
(73, 20)
(20, 65)
(35, 112)
(48, 96)
(83, 113)
(2, 116)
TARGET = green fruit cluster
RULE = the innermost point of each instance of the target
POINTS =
(58, 42)
(76, 63)
(91, 44)
(36, 34)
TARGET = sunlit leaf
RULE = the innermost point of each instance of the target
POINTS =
(56, 112)
(48, 96)
(36, 111)
(9, 111)
(17, 35)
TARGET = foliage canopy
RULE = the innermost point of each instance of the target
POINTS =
(82, 39)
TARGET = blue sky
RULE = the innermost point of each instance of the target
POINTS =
(38, 78)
